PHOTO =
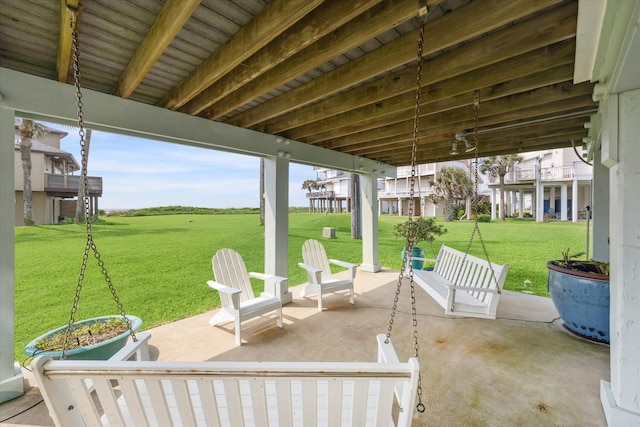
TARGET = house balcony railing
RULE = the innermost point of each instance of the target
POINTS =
(403, 193)
(321, 195)
(556, 173)
(59, 185)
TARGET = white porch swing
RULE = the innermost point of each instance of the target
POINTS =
(130, 390)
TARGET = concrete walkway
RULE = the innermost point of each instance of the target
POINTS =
(523, 369)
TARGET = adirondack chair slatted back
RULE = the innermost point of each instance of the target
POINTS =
(475, 274)
(313, 254)
(228, 393)
(229, 269)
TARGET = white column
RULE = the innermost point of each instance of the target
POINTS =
(563, 202)
(574, 200)
(539, 201)
(400, 207)
(552, 199)
(276, 220)
(493, 203)
(521, 208)
(11, 380)
(600, 209)
(368, 204)
(621, 397)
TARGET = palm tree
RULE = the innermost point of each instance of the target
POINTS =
(497, 167)
(452, 184)
(309, 185)
(28, 130)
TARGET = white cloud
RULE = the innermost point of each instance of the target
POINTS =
(140, 173)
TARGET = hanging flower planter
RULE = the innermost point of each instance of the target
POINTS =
(581, 297)
(80, 348)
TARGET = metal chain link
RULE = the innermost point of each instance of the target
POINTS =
(90, 245)
(476, 228)
(410, 229)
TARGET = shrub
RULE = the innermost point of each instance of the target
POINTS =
(424, 229)
(484, 218)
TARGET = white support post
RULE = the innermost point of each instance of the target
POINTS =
(621, 397)
(575, 193)
(552, 199)
(11, 379)
(521, 208)
(563, 202)
(600, 209)
(368, 205)
(276, 220)
(493, 203)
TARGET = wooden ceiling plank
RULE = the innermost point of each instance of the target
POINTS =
(361, 29)
(172, 17)
(320, 22)
(469, 21)
(64, 60)
(454, 119)
(404, 108)
(494, 74)
(275, 18)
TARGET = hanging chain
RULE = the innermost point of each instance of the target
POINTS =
(90, 245)
(410, 229)
(476, 228)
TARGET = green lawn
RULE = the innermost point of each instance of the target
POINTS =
(160, 264)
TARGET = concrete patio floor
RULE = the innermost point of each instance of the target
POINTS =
(522, 369)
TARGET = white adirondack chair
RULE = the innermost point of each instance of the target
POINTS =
(236, 294)
(321, 280)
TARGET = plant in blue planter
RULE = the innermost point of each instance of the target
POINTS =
(97, 338)
(579, 290)
(423, 230)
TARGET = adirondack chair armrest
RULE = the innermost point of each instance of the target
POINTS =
(263, 276)
(222, 288)
(343, 263)
(138, 348)
(473, 289)
(272, 283)
(314, 273)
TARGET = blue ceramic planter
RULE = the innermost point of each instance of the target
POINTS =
(415, 252)
(99, 351)
(582, 300)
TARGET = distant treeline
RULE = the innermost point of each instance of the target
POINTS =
(186, 210)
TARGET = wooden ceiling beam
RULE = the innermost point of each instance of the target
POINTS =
(68, 8)
(513, 147)
(320, 22)
(172, 17)
(455, 121)
(353, 34)
(405, 104)
(456, 27)
(445, 140)
(275, 18)
(331, 114)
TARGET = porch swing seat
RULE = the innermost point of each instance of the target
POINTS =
(124, 392)
(463, 288)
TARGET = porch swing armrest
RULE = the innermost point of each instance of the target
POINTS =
(473, 289)
(139, 348)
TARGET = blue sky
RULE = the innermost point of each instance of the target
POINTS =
(141, 173)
